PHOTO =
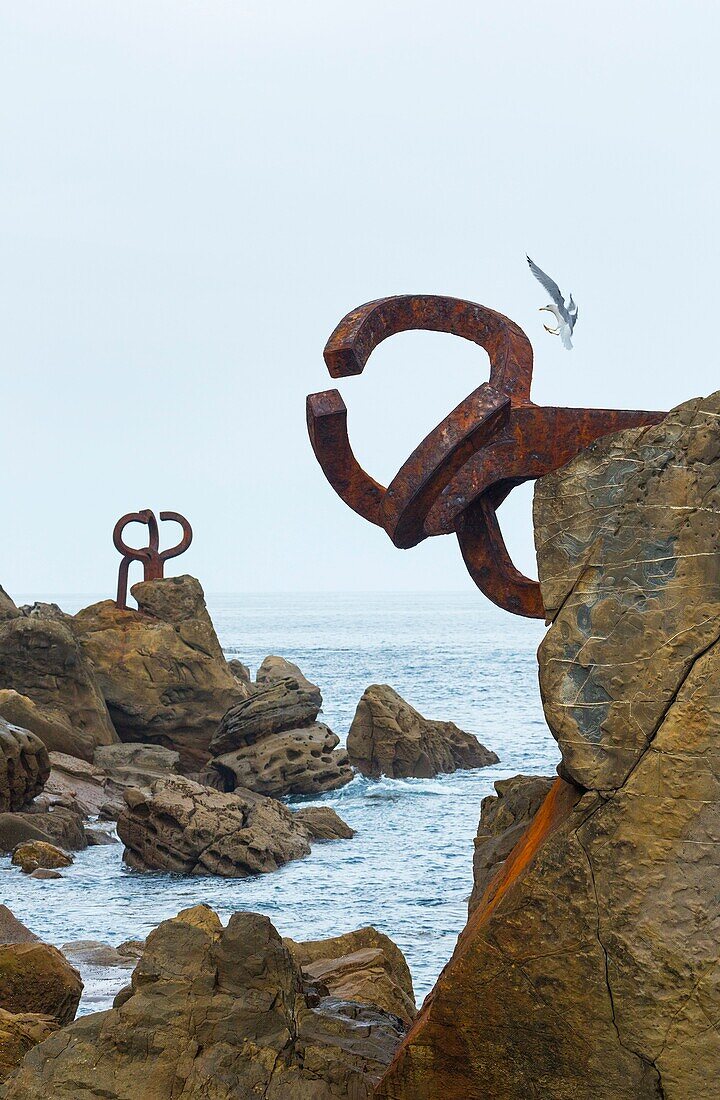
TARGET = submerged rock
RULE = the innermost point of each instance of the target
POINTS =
(214, 1012)
(364, 966)
(590, 966)
(161, 668)
(24, 766)
(389, 737)
(185, 827)
(35, 977)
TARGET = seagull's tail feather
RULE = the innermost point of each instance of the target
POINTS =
(565, 337)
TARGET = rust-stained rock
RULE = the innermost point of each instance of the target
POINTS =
(185, 827)
(218, 1013)
(389, 737)
(24, 766)
(19, 1032)
(589, 967)
(41, 660)
(161, 668)
(364, 966)
(35, 977)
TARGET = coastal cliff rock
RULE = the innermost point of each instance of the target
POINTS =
(161, 668)
(19, 1033)
(41, 660)
(589, 967)
(215, 1012)
(389, 737)
(185, 827)
(24, 766)
(272, 744)
(364, 966)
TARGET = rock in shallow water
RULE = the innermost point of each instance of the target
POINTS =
(322, 823)
(296, 762)
(389, 737)
(36, 853)
(59, 825)
(281, 704)
(185, 827)
(215, 1013)
(35, 977)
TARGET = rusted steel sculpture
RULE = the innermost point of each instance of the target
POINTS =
(153, 560)
(495, 439)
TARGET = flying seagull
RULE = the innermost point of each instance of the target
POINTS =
(565, 313)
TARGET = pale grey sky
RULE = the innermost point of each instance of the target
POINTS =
(193, 194)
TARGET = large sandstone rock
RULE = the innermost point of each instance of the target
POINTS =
(322, 823)
(161, 668)
(19, 1032)
(214, 1014)
(364, 966)
(35, 977)
(136, 765)
(59, 825)
(24, 766)
(296, 762)
(281, 704)
(185, 827)
(8, 609)
(14, 931)
(38, 853)
(389, 737)
(504, 818)
(590, 967)
(82, 785)
(278, 668)
(50, 724)
(41, 660)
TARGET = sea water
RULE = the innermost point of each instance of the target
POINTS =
(408, 871)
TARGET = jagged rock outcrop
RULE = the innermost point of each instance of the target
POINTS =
(364, 966)
(219, 1013)
(504, 818)
(35, 977)
(241, 672)
(82, 785)
(589, 968)
(41, 660)
(19, 1033)
(272, 744)
(24, 766)
(161, 668)
(389, 737)
(183, 826)
(322, 823)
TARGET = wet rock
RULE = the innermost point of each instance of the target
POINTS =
(35, 977)
(195, 830)
(97, 953)
(504, 818)
(44, 873)
(296, 762)
(590, 966)
(19, 1032)
(322, 823)
(281, 704)
(36, 853)
(41, 660)
(363, 966)
(50, 724)
(59, 825)
(14, 931)
(389, 737)
(24, 766)
(98, 838)
(219, 1013)
(161, 668)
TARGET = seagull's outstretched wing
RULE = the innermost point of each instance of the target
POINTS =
(552, 288)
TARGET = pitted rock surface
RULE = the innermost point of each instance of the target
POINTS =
(280, 704)
(24, 766)
(590, 966)
(296, 762)
(220, 1013)
(389, 737)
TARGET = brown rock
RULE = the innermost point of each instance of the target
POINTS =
(280, 705)
(8, 610)
(277, 668)
(218, 1013)
(24, 766)
(296, 762)
(40, 659)
(97, 953)
(136, 765)
(241, 672)
(59, 825)
(50, 724)
(35, 977)
(82, 785)
(364, 966)
(14, 931)
(36, 853)
(389, 737)
(591, 961)
(322, 823)
(504, 818)
(19, 1032)
(161, 668)
(185, 827)
(44, 873)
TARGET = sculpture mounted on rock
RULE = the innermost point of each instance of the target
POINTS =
(152, 558)
(457, 478)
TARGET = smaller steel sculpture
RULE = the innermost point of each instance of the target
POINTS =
(457, 478)
(153, 560)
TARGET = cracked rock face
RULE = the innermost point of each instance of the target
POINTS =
(589, 967)
(389, 737)
(220, 1013)
(24, 766)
